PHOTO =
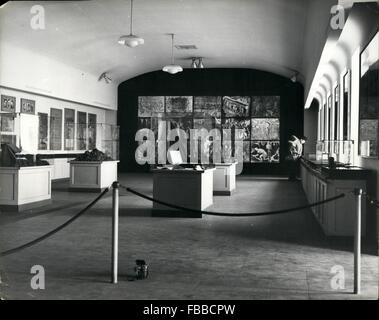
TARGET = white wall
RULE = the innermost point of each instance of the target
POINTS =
(111, 117)
(52, 84)
(310, 128)
(315, 36)
(25, 70)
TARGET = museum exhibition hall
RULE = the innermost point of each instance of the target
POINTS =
(189, 150)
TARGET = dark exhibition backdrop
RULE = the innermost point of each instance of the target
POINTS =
(210, 82)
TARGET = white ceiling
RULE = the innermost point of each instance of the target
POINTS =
(262, 34)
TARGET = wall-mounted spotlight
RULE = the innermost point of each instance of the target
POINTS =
(193, 63)
(200, 63)
(197, 62)
(294, 77)
(104, 76)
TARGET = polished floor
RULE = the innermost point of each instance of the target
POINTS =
(269, 257)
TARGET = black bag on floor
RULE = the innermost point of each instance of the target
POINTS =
(141, 269)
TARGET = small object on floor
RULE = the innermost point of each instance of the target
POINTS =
(141, 269)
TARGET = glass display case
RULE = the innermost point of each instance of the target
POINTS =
(58, 133)
(109, 140)
(340, 150)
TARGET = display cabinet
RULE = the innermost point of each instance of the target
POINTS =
(341, 151)
(336, 218)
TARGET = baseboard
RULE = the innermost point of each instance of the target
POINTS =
(158, 213)
(90, 190)
(224, 193)
(26, 206)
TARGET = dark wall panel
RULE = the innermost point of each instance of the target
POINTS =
(210, 82)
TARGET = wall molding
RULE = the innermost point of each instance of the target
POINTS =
(55, 98)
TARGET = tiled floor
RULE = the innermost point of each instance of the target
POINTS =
(269, 257)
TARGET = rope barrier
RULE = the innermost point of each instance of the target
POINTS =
(223, 214)
(52, 232)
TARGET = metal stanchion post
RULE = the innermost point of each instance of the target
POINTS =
(115, 205)
(357, 242)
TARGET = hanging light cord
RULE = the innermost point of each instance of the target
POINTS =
(172, 49)
(131, 17)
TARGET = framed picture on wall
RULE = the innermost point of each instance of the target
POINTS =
(8, 103)
(7, 123)
(265, 107)
(43, 131)
(158, 126)
(207, 124)
(236, 106)
(265, 129)
(179, 104)
(207, 107)
(28, 106)
(336, 112)
(8, 138)
(56, 119)
(369, 101)
(265, 151)
(346, 106)
(368, 134)
(236, 123)
(92, 123)
(183, 123)
(82, 130)
(149, 106)
(69, 129)
(245, 151)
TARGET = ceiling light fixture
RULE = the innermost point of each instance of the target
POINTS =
(172, 68)
(131, 40)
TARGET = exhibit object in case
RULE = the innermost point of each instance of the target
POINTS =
(92, 176)
(182, 187)
(224, 178)
(23, 188)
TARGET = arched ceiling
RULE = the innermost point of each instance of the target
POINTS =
(260, 34)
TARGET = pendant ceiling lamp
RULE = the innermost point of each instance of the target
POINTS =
(131, 40)
(172, 68)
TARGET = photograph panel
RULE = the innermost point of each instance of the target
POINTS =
(265, 151)
(265, 106)
(236, 106)
(179, 104)
(265, 129)
(235, 123)
(149, 106)
(207, 106)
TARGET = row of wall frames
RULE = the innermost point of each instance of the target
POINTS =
(49, 130)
